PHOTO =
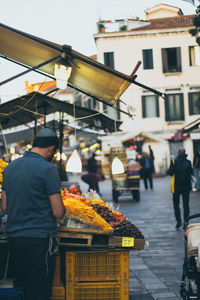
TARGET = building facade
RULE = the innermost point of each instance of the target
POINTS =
(170, 64)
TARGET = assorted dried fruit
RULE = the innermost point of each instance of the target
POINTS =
(119, 223)
(126, 228)
(97, 213)
(85, 213)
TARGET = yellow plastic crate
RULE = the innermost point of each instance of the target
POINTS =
(99, 266)
(57, 279)
(97, 291)
(58, 293)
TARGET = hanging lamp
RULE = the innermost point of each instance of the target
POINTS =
(62, 74)
(74, 163)
(117, 166)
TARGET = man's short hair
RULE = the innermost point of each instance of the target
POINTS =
(45, 138)
(181, 151)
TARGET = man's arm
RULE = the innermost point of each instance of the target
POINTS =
(171, 169)
(57, 205)
(3, 202)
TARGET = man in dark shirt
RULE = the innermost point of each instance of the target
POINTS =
(182, 169)
(32, 200)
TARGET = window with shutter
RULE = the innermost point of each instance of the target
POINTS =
(147, 55)
(150, 106)
(194, 54)
(171, 60)
(109, 59)
(194, 103)
(174, 107)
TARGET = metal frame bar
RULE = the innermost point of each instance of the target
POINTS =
(25, 66)
(29, 70)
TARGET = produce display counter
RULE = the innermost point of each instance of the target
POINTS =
(94, 244)
(93, 266)
(89, 266)
(95, 270)
(73, 237)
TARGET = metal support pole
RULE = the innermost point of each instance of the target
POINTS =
(35, 128)
(29, 70)
(61, 136)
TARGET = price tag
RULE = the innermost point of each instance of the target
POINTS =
(127, 241)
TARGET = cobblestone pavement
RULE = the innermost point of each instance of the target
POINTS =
(155, 272)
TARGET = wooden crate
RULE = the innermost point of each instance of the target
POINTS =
(73, 237)
(117, 242)
(57, 280)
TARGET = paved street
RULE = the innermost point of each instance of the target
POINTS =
(155, 272)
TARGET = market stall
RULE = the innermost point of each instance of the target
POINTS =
(95, 241)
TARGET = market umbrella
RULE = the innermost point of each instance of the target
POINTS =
(28, 108)
(87, 74)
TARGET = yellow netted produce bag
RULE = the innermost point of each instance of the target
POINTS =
(3, 164)
(86, 214)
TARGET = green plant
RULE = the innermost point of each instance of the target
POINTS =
(123, 28)
(196, 22)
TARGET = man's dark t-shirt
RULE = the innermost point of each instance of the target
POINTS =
(28, 181)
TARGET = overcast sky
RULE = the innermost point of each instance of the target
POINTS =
(71, 22)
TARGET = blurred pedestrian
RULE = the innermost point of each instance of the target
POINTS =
(92, 178)
(152, 159)
(196, 168)
(146, 170)
(181, 170)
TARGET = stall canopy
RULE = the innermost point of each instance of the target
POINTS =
(87, 75)
(23, 133)
(30, 107)
(148, 137)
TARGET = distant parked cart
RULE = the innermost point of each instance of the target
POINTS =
(128, 182)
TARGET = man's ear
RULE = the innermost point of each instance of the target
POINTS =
(52, 148)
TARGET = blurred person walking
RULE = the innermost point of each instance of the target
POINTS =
(92, 178)
(152, 158)
(146, 170)
(181, 171)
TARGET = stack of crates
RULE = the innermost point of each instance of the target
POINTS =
(97, 275)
